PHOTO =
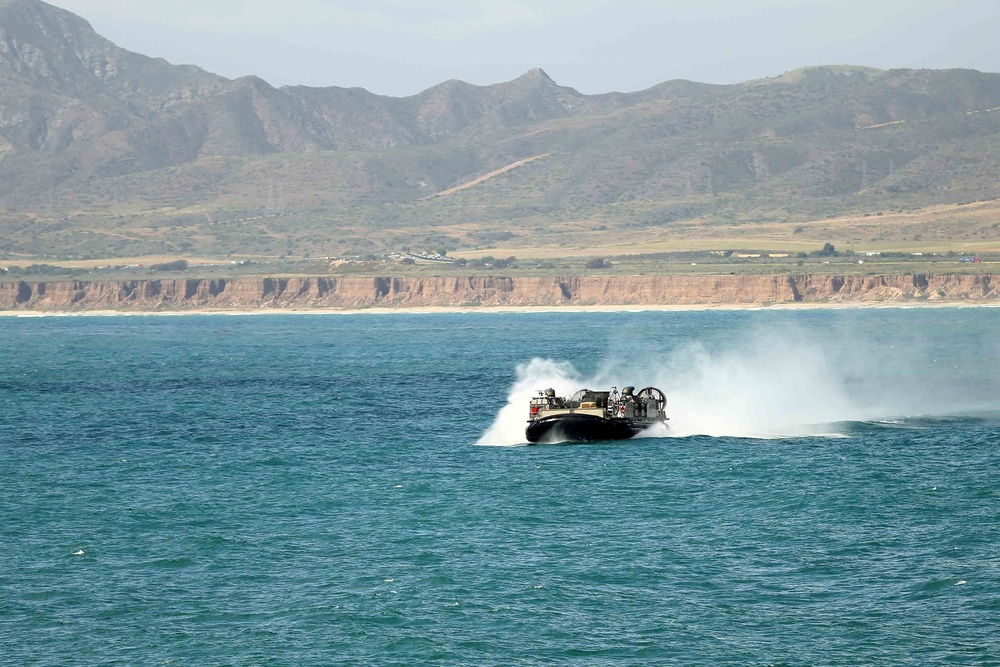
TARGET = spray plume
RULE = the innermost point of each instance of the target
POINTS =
(771, 388)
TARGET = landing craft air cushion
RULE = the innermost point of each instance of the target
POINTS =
(589, 416)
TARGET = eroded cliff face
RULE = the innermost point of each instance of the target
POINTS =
(362, 292)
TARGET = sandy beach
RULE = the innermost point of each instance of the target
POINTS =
(494, 310)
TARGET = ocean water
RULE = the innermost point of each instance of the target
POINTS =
(353, 490)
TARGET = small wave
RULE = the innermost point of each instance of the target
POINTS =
(171, 562)
(916, 423)
(656, 431)
(792, 434)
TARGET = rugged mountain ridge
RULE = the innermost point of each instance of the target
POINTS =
(105, 152)
(361, 292)
(52, 60)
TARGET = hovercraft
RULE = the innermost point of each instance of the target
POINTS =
(589, 416)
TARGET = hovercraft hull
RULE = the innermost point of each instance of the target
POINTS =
(580, 428)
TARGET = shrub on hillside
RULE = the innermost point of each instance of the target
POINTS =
(828, 251)
(176, 265)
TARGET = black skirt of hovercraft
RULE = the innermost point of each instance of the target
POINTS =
(579, 428)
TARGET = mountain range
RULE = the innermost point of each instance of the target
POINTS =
(109, 153)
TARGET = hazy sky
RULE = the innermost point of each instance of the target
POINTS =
(400, 47)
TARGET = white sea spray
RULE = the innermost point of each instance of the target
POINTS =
(769, 385)
(508, 427)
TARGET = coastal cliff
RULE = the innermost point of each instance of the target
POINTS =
(415, 292)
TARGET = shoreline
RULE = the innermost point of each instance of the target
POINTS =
(500, 310)
(493, 294)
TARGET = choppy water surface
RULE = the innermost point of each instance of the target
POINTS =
(312, 490)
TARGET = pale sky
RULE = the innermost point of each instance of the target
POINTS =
(400, 47)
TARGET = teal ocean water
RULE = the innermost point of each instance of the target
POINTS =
(352, 490)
